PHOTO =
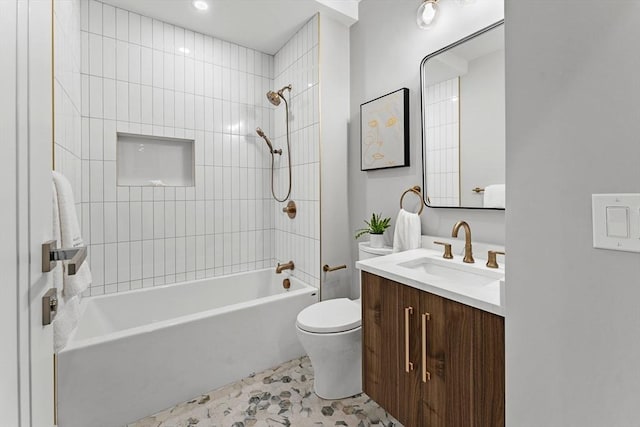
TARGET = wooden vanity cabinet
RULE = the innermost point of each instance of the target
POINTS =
(430, 361)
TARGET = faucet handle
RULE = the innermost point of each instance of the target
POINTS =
(447, 249)
(492, 261)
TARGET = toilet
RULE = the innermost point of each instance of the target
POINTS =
(331, 333)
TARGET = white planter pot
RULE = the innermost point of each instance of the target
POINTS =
(376, 240)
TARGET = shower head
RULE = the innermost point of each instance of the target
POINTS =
(275, 97)
(261, 133)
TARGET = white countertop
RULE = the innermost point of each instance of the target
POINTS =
(487, 294)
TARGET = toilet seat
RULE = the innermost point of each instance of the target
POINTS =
(331, 316)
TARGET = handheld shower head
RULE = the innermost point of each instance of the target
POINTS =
(261, 134)
(275, 97)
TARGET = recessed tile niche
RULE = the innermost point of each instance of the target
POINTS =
(144, 160)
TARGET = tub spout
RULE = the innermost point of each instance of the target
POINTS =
(286, 266)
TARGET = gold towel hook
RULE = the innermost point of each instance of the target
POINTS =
(415, 190)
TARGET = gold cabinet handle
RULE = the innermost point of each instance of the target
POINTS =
(408, 366)
(327, 269)
(426, 375)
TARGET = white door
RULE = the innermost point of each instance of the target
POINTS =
(25, 172)
(39, 159)
(9, 399)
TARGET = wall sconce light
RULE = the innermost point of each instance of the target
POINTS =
(427, 14)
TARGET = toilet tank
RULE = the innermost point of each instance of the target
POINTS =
(365, 252)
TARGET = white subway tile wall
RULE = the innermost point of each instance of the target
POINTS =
(297, 63)
(67, 94)
(144, 76)
(443, 147)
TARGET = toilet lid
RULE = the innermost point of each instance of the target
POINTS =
(334, 315)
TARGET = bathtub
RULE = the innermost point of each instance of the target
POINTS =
(136, 353)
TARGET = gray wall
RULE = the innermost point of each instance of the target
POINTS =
(386, 50)
(573, 312)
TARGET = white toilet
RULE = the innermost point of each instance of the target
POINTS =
(330, 332)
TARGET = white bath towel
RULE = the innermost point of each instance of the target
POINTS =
(407, 233)
(65, 322)
(494, 196)
(70, 236)
(67, 312)
(57, 272)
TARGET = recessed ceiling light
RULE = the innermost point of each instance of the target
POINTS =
(200, 4)
(184, 50)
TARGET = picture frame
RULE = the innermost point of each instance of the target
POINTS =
(384, 131)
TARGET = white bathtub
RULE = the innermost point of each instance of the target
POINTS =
(136, 353)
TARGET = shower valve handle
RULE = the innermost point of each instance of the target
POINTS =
(290, 209)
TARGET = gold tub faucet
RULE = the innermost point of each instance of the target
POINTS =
(468, 255)
(286, 266)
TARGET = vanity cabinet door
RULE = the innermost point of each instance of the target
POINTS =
(409, 384)
(465, 360)
(489, 370)
(448, 394)
(381, 325)
(433, 369)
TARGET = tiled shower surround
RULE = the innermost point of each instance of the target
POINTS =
(67, 94)
(297, 63)
(144, 76)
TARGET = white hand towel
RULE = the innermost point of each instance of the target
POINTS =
(70, 236)
(494, 196)
(407, 233)
(67, 312)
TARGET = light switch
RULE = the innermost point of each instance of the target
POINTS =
(618, 222)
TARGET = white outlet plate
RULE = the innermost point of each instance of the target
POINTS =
(616, 222)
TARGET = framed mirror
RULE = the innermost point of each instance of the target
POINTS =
(463, 122)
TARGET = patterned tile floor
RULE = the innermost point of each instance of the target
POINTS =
(282, 396)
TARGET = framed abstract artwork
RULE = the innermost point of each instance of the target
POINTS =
(384, 131)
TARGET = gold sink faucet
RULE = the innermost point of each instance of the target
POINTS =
(286, 266)
(468, 255)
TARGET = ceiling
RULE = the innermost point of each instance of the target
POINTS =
(264, 25)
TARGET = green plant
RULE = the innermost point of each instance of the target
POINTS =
(376, 225)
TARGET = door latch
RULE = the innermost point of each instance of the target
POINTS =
(49, 306)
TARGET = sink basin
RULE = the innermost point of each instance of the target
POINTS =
(449, 272)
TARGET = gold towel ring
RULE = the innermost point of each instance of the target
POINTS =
(415, 190)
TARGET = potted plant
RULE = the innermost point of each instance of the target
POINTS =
(375, 228)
